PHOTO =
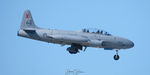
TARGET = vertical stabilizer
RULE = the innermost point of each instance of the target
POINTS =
(27, 21)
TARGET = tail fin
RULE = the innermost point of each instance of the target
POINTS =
(27, 21)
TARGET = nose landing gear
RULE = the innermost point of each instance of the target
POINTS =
(116, 56)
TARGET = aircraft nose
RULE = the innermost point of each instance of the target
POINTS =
(125, 43)
(130, 44)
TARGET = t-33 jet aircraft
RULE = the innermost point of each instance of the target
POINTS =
(76, 39)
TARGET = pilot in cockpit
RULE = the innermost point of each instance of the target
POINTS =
(101, 32)
(98, 32)
(85, 30)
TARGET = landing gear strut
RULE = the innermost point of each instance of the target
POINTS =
(116, 56)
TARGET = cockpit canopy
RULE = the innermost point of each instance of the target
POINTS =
(96, 31)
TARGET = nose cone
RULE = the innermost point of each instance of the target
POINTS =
(124, 43)
(127, 43)
(130, 44)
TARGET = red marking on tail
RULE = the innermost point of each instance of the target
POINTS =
(27, 16)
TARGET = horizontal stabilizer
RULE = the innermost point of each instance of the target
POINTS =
(29, 30)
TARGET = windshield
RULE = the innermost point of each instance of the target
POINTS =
(96, 31)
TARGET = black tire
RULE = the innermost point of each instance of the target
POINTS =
(73, 52)
(116, 57)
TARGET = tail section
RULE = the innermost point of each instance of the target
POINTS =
(27, 21)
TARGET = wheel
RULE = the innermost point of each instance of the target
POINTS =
(72, 50)
(116, 57)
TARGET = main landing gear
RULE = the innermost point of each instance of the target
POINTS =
(74, 49)
(116, 56)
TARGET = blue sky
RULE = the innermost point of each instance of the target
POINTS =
(125, 18)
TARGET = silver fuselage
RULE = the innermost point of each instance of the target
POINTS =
(69, 37)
